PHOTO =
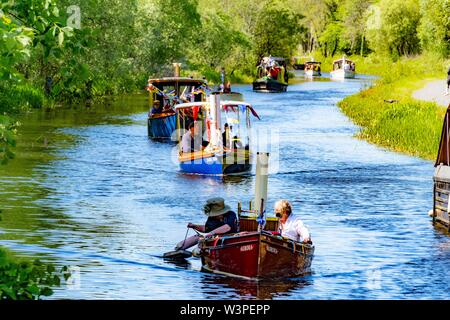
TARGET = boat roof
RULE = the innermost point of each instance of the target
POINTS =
(313, 62)
(342, 59)
(276, 58)
(177, 79)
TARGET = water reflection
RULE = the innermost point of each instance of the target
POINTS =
(264, 289)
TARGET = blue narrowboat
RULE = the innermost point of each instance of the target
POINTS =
(204, 148)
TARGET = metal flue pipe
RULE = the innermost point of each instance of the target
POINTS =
(176, 69)
(262, 177)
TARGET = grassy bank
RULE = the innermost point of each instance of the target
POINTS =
(406, 124)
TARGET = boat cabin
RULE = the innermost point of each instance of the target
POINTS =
(344, 64)
(214, 136)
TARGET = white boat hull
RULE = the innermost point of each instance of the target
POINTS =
(312, 73)
(342, 74)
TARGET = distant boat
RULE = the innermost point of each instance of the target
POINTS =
(343, 69)
(313, 69)
(272, 75)
(213, 151)
(441, 178)
(164, 94)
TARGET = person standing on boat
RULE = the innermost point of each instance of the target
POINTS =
(221, 220)
(290, 226)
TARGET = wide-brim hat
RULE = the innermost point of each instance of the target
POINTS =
(215, 207)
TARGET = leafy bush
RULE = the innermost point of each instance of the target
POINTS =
(24, 280)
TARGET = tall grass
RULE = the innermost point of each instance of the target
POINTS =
(388, 114)
(16, 98)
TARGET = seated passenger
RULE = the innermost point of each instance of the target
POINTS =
(156, 107)
(290, 226)
(191, 141)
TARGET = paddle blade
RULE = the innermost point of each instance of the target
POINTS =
(177, 254)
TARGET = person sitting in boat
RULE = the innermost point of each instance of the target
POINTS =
(290, 226)
(156, 107)
(226, 136)
(237, 144)
(191, 141)
(221, 220)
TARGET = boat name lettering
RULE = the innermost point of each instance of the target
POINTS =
(272, 249)
(248, 247)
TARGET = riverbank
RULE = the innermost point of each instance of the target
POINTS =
(389, 113)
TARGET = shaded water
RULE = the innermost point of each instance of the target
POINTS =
(89, 190)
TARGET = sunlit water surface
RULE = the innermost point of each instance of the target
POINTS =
(89, 190)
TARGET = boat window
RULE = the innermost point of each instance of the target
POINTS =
(238, 119)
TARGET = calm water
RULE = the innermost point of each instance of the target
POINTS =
(90, 190)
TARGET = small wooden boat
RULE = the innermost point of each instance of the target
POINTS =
(272, 75)
(312, 69)
(257, 251)
(164, 94)
(441, 178)
(343, 69)
(211, 154)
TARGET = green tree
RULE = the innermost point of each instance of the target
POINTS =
(434, 28)
(277, 32)
(397, 33)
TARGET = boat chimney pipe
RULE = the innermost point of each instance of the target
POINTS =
(176, 69)
(262, 176)
(215, 126)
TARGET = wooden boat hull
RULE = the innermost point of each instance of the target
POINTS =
(342, 74)
(441, 196)
(162, 125)
(256, 255)
(233, 162)
(269, 86)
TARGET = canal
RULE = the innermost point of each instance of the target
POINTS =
(89, 190)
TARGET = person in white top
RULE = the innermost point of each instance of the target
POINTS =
(191, 141)
(290, 226)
